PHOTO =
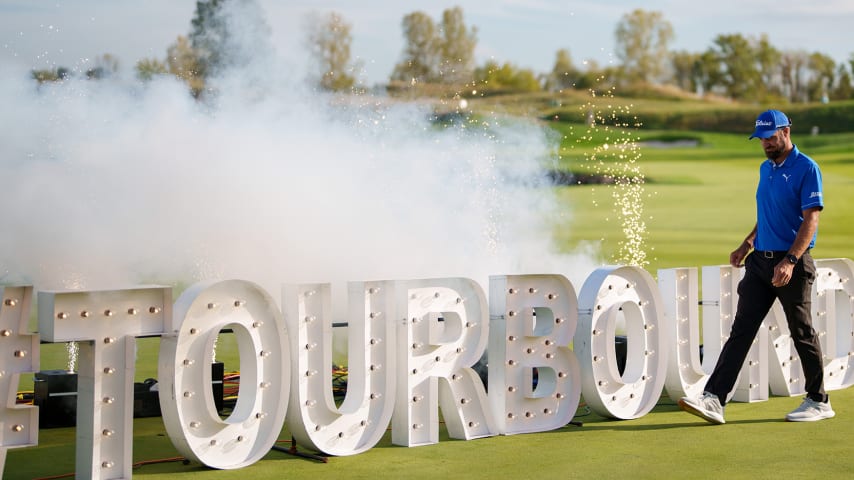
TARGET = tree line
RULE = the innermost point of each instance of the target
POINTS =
(442, 53)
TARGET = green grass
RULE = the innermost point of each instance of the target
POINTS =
(699, 202)
(698, 205)
(666, 443)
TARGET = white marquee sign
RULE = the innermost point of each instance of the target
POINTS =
(411, 348)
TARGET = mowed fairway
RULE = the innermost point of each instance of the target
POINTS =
(699, 202)
(698, 206)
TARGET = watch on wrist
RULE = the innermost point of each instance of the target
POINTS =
(792, 259)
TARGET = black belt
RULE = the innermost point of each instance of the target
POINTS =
(775, 253)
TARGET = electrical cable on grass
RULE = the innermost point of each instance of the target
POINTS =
(161, 460)
(64, 475)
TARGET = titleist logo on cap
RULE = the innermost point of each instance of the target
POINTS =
(763, 123)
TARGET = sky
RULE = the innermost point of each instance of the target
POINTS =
(526, 33)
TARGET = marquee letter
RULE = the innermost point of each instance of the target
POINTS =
(610, 295)
(363, 417)
(106, 324)
(19, 353)
(685, 374)
(720, 299)
(532, 322)
(784, 376)
(444, 332)
(186, 353)
(833, 312)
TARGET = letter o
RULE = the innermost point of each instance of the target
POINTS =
(608, 294)
(186, 353)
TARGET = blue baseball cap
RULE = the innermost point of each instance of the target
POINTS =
(768, 122)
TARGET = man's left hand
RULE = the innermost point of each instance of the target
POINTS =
(782, 273)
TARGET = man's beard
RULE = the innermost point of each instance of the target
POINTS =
(774, 153)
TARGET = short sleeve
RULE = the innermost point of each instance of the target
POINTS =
(811, 190)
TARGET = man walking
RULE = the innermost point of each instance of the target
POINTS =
(788, 203)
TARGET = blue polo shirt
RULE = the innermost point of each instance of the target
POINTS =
(784, 192)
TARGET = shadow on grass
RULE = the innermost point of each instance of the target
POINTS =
(689, 423)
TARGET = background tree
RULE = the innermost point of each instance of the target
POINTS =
(737, 72)
(709, 72)
(493, 76)
(595, 77)
(564, 74)
(686, 67)
(793, 66)
(844, 88)
(329, 38)
(104, 66)
(442, 53)
(421, 56)
(822, 76)
(642, 40)
(51, 75)
(457, 46)
(148, 68)
(208, 35)
(768, 65)
(183, 61)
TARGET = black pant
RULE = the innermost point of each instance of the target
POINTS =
(756, 295)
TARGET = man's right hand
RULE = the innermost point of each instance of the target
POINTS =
(736, 258)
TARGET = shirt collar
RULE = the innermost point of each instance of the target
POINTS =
(793, 154)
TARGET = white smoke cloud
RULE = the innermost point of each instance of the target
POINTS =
(110, 183)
